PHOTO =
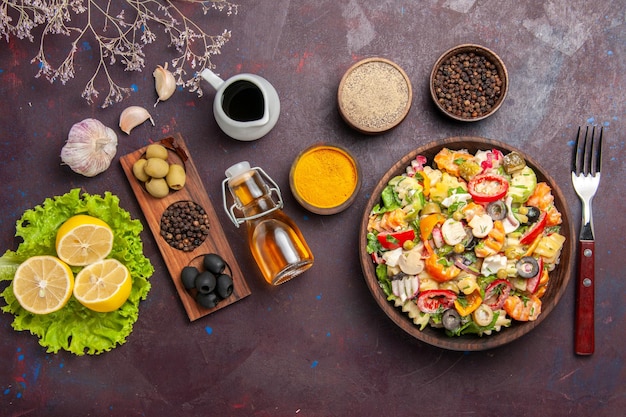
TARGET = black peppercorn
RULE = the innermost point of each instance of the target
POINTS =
(467, 85)
(184, 225)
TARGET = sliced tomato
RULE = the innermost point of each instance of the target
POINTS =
(535, 230)
(485, 188)
(394, 240)
(497, 292)
(435, 301)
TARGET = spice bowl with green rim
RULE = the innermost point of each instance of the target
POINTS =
(325, 179)
(469, 82)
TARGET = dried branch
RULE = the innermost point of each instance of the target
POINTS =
(121, 31)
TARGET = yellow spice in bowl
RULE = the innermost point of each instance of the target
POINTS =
(324, 177)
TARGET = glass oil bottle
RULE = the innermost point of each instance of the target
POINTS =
(276, 243)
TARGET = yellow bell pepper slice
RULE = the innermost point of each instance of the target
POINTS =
(469, 304)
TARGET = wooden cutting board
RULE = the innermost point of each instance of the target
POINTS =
(215, 242)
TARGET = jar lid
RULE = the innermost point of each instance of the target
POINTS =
(374, 95)
(237, 169)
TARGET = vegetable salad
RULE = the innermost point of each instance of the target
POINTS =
(466, 243)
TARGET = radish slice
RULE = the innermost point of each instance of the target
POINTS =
(438, 237)
(510, 223)
(405, 288)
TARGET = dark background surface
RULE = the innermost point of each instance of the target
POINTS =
(319, 345)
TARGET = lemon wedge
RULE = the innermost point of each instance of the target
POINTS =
(103, 286)
(83, 240)
(43, 284)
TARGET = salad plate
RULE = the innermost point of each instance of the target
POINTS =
(404, 313)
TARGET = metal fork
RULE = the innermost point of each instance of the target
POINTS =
(586, 178)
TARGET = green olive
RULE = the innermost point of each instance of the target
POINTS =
(157, 187)
(138, 170)
(513, 162)
(176, 177)
(469, 169)
(156, 167)
(156, 151)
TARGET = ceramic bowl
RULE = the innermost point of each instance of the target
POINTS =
(482, 94)
(374, 95)
(316, 173)
(559, 277)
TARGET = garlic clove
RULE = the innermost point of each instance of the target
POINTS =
(164, 83)
(132, 117)
(90, 147)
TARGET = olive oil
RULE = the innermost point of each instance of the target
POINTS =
(276, 242)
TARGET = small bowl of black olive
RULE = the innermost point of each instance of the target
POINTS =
(208, 278)
(469, 82)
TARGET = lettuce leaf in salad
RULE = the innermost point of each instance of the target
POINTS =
(75, 328)
(389, 199)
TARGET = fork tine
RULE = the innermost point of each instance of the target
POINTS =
(576, 153)
(579, 155)
(598, 154)
(588, 151)
(588, 154)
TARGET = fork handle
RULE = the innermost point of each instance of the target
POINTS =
(584, 332)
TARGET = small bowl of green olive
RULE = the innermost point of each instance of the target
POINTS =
(469, 83)
(160, 170)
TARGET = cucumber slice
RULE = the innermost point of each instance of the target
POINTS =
(522, 185)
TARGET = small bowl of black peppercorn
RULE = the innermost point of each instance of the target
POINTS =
(469, 82)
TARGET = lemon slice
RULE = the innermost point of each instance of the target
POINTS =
(103, 286)
(43, 284)
(83, 240)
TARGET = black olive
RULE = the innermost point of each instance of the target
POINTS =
(205, 282)
(527, 267)
(451, 320)
(533, 214)
(188, 276)
(496, 210)
(214, 263)
(224, 285)
(209, 300)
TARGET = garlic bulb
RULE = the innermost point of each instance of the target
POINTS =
(90, 147)
(164, 83)
(132, 117)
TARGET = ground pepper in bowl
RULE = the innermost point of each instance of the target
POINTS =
(374, 95)
(469, 82)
